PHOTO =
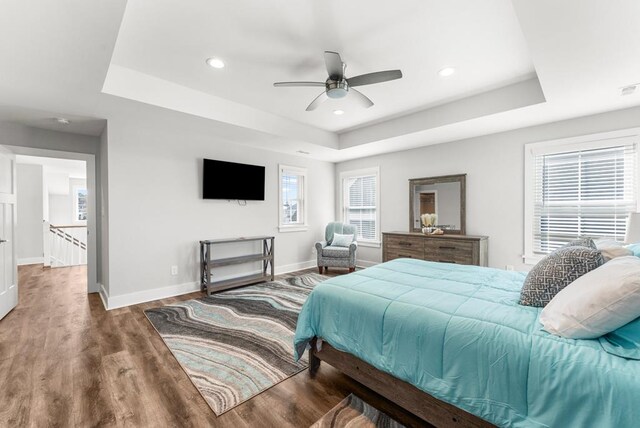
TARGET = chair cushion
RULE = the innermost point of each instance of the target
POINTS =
(332, 251)
(556, 271)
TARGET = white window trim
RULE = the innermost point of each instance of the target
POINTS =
(301, 226)
(74, 202)
(375, 243)
(582, 142)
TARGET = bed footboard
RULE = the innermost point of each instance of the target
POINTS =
(403, 394)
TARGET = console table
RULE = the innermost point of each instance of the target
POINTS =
(461, 249)
(208, 263)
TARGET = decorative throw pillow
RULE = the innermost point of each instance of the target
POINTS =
(597, 303)
(555, 272)
(611, 249)
(341, 240)
(583, 241)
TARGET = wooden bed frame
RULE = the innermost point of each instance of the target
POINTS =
(403, 394)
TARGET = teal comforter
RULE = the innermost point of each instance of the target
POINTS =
(458, 333)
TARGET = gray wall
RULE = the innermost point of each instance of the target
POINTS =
(29, 245)
(495, 180)
(156, 211)
(102, 206)
(12, 134)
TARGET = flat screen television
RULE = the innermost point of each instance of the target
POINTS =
(230, 180)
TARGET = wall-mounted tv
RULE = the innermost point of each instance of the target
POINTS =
(230, 180)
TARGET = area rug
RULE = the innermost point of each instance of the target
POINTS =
(237, 343)
(352, 412)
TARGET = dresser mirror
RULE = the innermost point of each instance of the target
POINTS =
(443, 196)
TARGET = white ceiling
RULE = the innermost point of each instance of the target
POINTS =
(47, 120)
(520, 63)
(264, 42)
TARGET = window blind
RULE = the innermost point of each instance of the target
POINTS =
(583, 193)
(360, 205)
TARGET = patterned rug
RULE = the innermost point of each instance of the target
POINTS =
(237, 343)
(352, 412)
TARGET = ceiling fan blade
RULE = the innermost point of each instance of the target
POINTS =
(334, 64)
(285, 84)
(319, 100)
(361, 98)
(377, 77)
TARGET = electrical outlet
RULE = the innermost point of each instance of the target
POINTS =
(509, 267)
(174, 270)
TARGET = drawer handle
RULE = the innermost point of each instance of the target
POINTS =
(446, 261)
(444, 247)
(405, 244)
(404, 255)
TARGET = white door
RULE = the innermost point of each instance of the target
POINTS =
(8, 260)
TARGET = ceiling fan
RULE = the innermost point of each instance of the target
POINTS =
(338, 85)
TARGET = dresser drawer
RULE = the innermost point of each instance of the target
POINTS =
(449, 251)
(394, 253)
(450, 246)
(410, 243)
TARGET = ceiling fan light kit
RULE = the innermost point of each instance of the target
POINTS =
(339, 86)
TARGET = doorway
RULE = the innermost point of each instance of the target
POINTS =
(61, 189)
(428, 203)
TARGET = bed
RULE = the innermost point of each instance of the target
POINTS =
(451, 344)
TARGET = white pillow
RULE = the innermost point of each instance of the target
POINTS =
(611, 249)
(597, 303)
(341, 240)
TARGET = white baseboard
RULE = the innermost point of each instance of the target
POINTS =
(30, 261)
(295, 266)
(103, 296)
(366, 263)
(114, 302)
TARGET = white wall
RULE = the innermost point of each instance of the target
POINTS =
(61, 205)
(495, 180)
(156, 211)
(29, 245)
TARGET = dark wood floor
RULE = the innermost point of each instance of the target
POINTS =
(65, 361)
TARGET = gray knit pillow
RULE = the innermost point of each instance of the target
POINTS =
(555, 272)
(583, 241)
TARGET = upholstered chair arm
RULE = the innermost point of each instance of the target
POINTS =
(320, 245)
(352, 254)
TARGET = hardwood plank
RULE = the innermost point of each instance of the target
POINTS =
(66, 361)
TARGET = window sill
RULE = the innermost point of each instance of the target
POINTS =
(371, 244)
(293, 228)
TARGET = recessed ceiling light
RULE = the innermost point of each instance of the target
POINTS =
(446, 72)
(338, 112)
(62, 120)
(215, 62)
(628, 90)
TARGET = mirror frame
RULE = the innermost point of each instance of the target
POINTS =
(456, 178)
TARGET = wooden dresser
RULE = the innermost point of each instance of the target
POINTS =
(461, 249)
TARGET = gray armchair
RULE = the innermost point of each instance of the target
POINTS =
(334, 256)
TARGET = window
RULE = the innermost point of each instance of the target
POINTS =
(584, 186)
(361, 202)
(80, 204)
(292, 198)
